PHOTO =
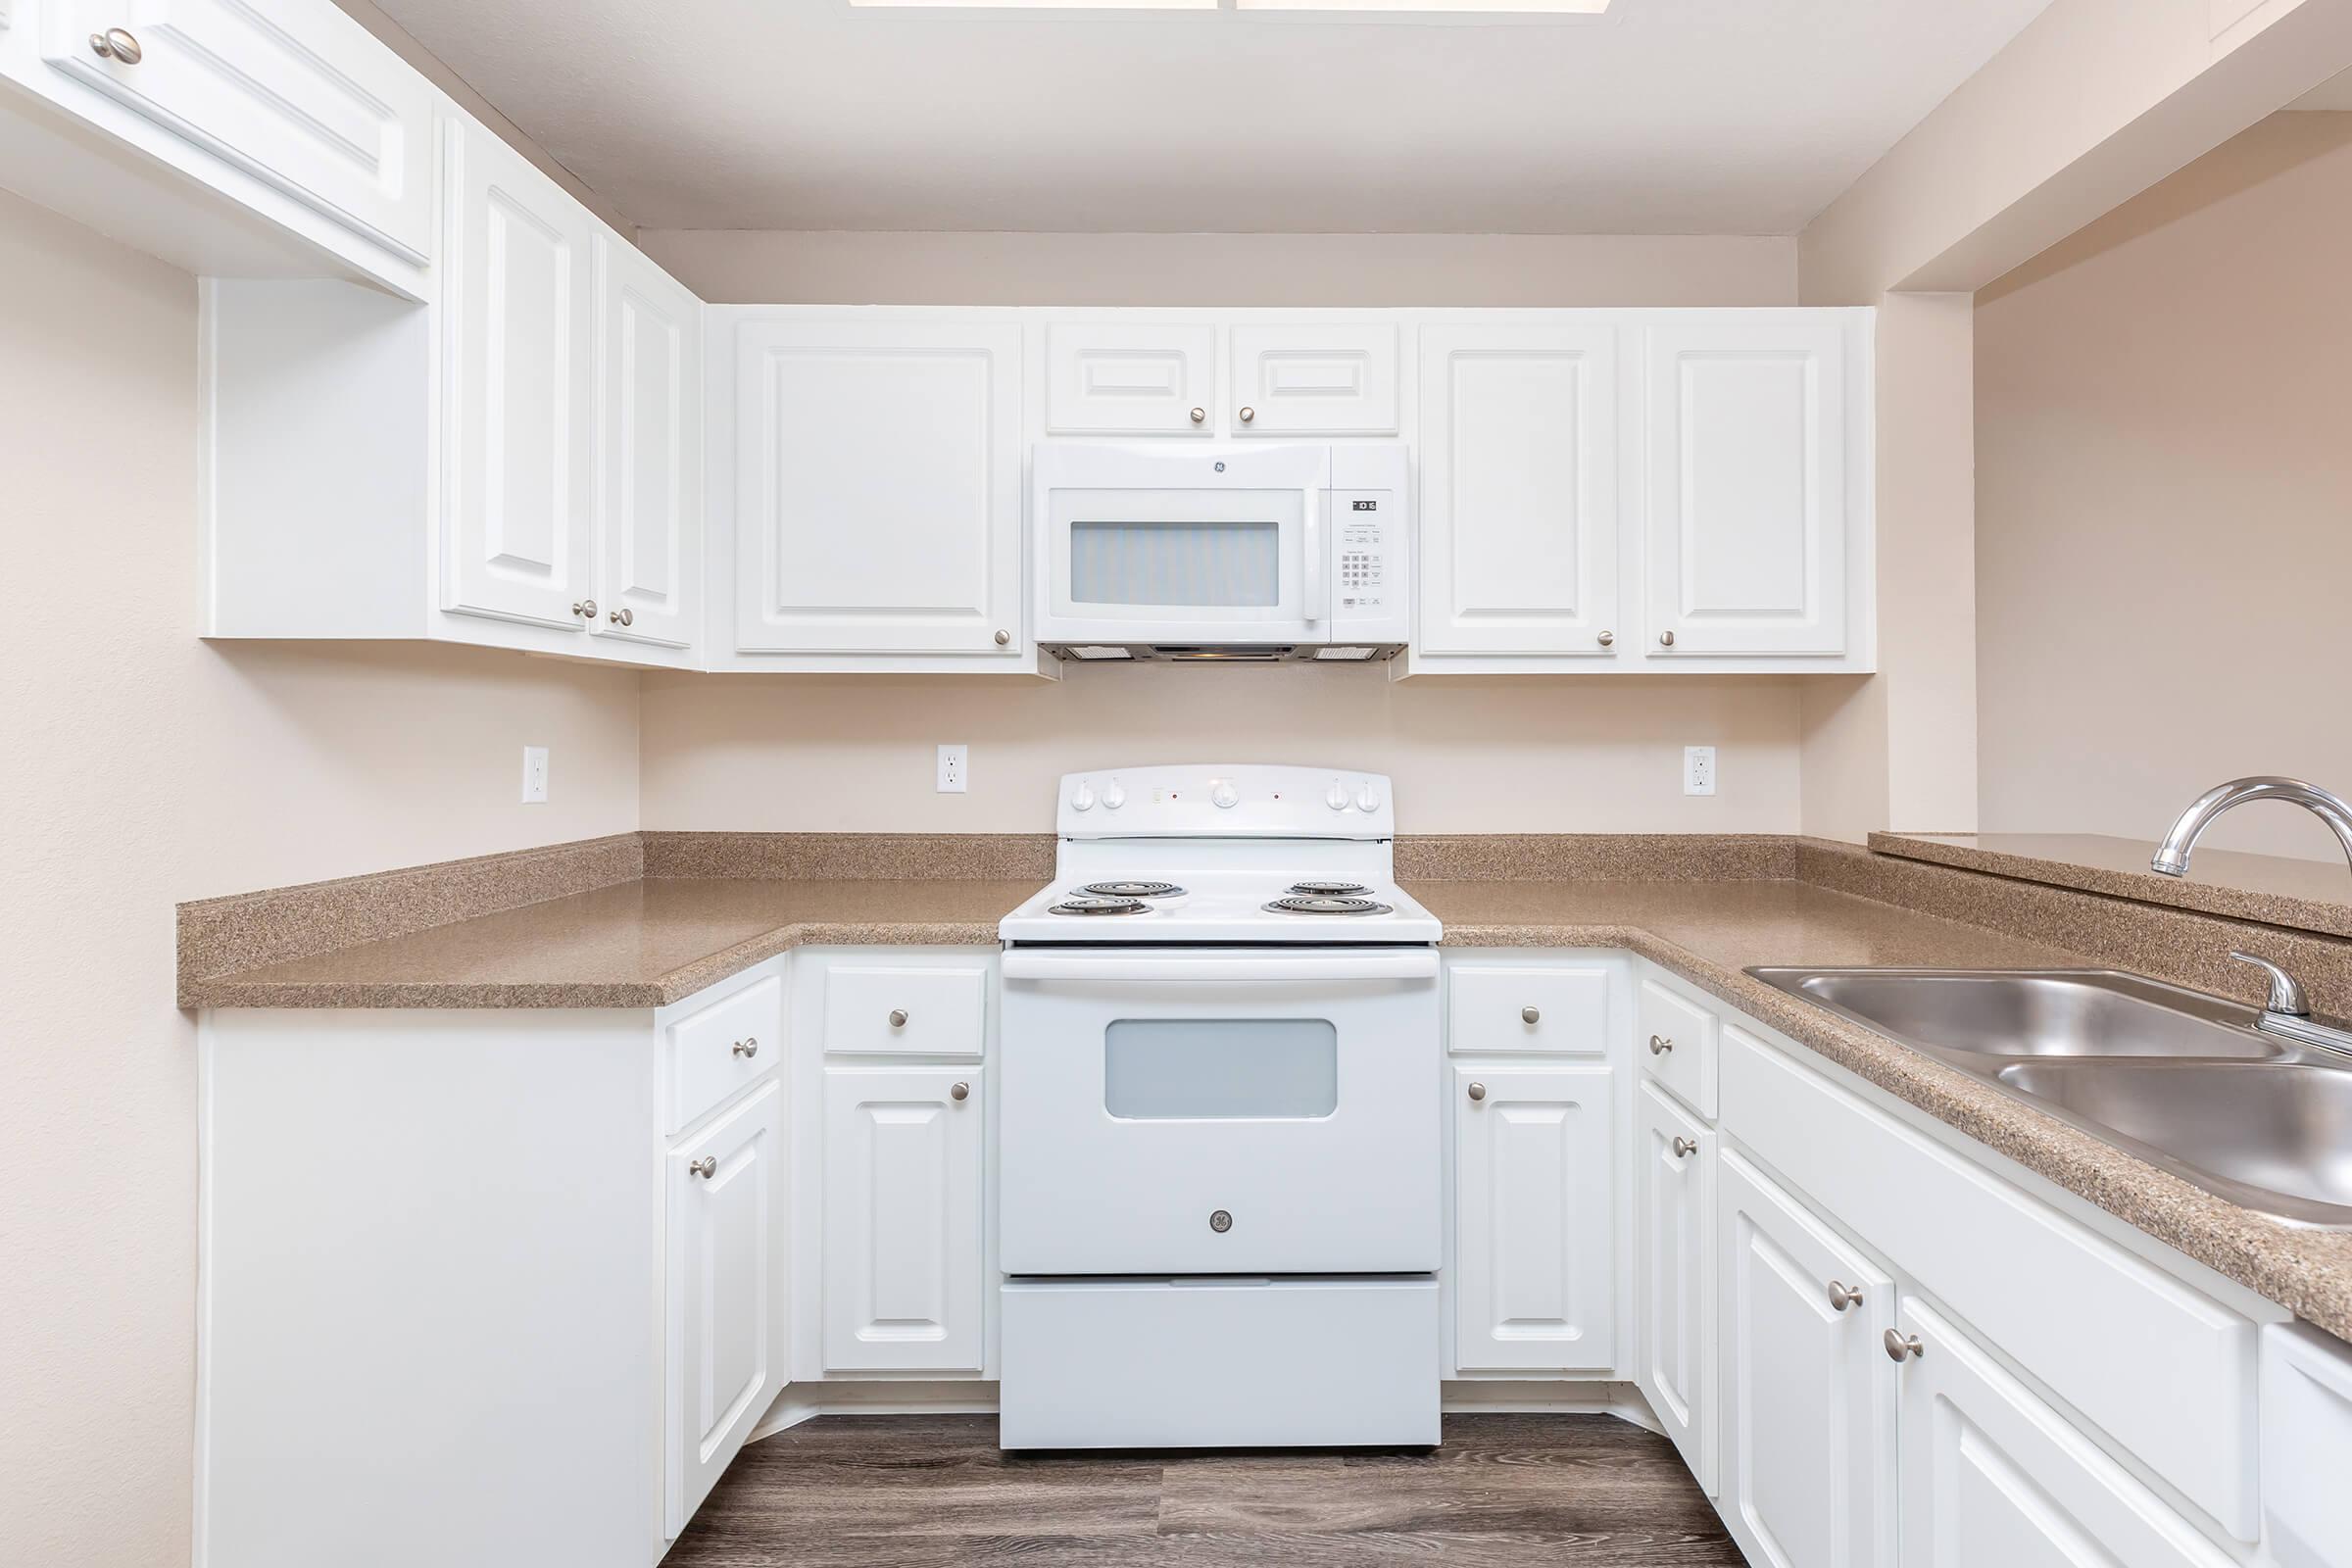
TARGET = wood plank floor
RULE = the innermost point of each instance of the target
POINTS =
(927, 1492)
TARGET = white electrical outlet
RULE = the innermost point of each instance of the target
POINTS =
(534, 775)
(952, 766)
(1698, 770)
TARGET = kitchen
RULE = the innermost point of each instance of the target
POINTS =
(626, 621)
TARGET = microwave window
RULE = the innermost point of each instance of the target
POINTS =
(1238, 564)
(1196, 1069)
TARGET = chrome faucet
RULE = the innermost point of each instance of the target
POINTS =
(2288, 1011)
(2172, 859)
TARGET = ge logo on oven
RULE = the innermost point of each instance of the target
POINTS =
(1221, 1221)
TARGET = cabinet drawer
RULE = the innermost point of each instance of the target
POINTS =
(2166, 1372)
(717, 1051)
(885, 1010)
(1676, 1044)
(1558, 1010)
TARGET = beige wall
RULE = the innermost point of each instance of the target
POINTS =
(2165, 500)
(143, 768)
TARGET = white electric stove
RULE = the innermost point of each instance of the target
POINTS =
(1219, 1182)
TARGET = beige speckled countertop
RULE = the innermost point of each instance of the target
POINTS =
(647, 943)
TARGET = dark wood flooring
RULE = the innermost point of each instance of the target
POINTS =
(925, 1491)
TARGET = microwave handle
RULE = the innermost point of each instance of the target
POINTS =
(1317, 551)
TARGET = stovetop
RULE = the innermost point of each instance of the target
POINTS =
(1246, 905)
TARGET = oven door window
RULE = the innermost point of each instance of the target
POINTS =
(1203, 1070)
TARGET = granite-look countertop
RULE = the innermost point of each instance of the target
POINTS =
(648, 943)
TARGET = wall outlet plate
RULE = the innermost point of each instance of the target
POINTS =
(1698, 770)
(534, 775)
(954, 764)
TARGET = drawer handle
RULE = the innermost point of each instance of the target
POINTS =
(1478, 1091)
(1684, 1148)
(1529, 1016)
(1199, 414)
(747, 1047)
(705, 1167)
(117, 44)
(1248, 415)
(1659, 1044)
(1902, 1347)
(898, 1017)
(960, 1091)
(1844, 1295)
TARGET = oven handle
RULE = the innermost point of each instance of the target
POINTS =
(1022, 964)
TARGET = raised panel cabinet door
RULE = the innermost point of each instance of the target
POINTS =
(650, 494)
(903, 1286)
(1808, 1393)
(1130, 378)
(1313, 378)
(293, 91)
(1992, 1475)
(520, 396)
(878, 489)
(1535, 1225)
(1673, 1295)
(724, 1202)
(1519, 499)
(1747, 451)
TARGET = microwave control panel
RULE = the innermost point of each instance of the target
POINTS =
(1370, 559)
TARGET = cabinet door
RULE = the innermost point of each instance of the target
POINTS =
(1808, 1393)
(1130, 378)
(1519, 490)
(879, 501)
(1321, 378)
(293, 91)
(724, 1247)
(1674, 1355)
(520, 402)
(1747, 454)
(650, 392)
(903, 1282)
(1533, 1221)
(1992, 1475)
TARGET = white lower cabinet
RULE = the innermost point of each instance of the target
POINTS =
(1673, 1256)
(724, 1244)
(1535, 1217)
(903, 1219)
(1808, 1394)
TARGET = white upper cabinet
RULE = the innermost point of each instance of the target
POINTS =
(1129, 377)
(1300, 379)
(1535, 1218)
(1747, 469)
(878, 487)
(294, 92)
(520, 405)
(1519, 489)
(650, 450)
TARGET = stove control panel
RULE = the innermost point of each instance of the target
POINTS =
(1241, 800)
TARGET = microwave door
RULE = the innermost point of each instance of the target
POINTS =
(1185, 564)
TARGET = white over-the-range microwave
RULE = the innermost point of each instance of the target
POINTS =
(1231, 552)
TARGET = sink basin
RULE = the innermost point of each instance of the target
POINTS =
(2274, 1136)
(2179, 1078)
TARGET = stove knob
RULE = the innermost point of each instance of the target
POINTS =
(1368, 799)
(1336, 795)
(1082, 798)
(1225, 795)
(1114, 797)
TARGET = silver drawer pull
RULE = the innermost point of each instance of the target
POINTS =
(1659, 1044)
(960, 1091)
(747, 1047)
(705, 1167)
(1478, 1091)
(115, 43)
(1902, 1347)
(1844, 1295)
(898, 1017)
(1684, 1148)
(1529, 1016)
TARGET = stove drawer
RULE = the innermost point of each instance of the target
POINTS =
(1223, 1363)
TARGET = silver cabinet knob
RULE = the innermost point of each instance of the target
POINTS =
(747, 1047)
(118, 45)
(585, 608)
(898, 1017)
(1529, 1016)
(1607, 639)
(1684, 1148)
(1902, 1347)
(1478, 1091)
(1248, 414)
(622, 618)
(1199, 415)
(1844, 1295)
(1004, 637)
(960, 1091)
(705, 1167)
(1665, 639)
(1659, 1044)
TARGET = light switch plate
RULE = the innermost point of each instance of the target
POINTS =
(534, 775)
(1698, 770)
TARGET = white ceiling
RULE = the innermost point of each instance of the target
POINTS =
(1739, 116)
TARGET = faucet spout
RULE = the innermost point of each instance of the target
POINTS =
(2172, 857)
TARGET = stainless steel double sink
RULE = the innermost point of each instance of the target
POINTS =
(2180, 1079)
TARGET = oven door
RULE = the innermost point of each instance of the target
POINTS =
(1219, 1112)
